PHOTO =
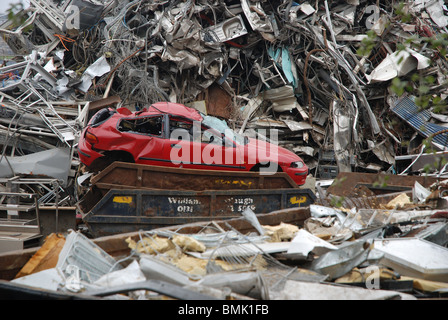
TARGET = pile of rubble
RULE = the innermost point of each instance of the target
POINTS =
(362, 240)
(322, 73)
(392, 253)
(295, 67)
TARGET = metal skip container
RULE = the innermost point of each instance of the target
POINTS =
(129, 197)
(130, 210)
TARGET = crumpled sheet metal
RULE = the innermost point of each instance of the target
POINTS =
(232, 269)
(251, 50)
(419, 119)
(295, 290)
(54, 163)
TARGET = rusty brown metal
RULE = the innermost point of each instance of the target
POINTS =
(370, 191)
(102, 103)
(122, 175)
(126, 210)
(126, 196)
(347, 184)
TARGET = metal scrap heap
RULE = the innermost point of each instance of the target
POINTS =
(356, 88)
(318, 72)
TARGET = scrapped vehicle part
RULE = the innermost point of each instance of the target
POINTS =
(173, 135)
(147, 52)
(131, 210)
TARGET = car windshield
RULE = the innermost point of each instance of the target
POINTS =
(222, 127)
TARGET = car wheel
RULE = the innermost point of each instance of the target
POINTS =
(268, 167)
(109, 158)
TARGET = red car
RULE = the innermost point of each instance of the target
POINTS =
(173, 135)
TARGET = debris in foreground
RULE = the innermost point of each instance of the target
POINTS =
(257, 65)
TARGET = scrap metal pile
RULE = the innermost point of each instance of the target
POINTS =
(333, 254)
(322, 73)
(295, 67)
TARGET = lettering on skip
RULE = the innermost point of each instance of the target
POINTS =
(240, 204)
(184, 204)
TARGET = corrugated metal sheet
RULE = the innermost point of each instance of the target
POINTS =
(419, 118)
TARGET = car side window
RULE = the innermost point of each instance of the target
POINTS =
(211, 136)
(147, 125)
(181, 129)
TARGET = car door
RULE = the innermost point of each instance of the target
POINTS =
(193, 145)
(180, 149)
(219, 152)
(144, 138)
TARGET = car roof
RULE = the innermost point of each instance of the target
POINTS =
(172, 108)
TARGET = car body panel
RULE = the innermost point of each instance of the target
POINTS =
(173, 135)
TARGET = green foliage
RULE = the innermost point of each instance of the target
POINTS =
(402, 14)
(17, 16)
(420, 83)
(398, 86)
(367, 44)
(337, 202)
(382, 182)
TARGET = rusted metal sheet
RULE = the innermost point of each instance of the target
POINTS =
(102, 103)
(348, 184)
(122, 175)
(361, 202)
(12, 261)
(130, 210)
(127, 176)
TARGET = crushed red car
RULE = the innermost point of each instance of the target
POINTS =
(173, 135)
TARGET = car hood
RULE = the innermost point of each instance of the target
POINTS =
(266, 151)
(174, 109)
